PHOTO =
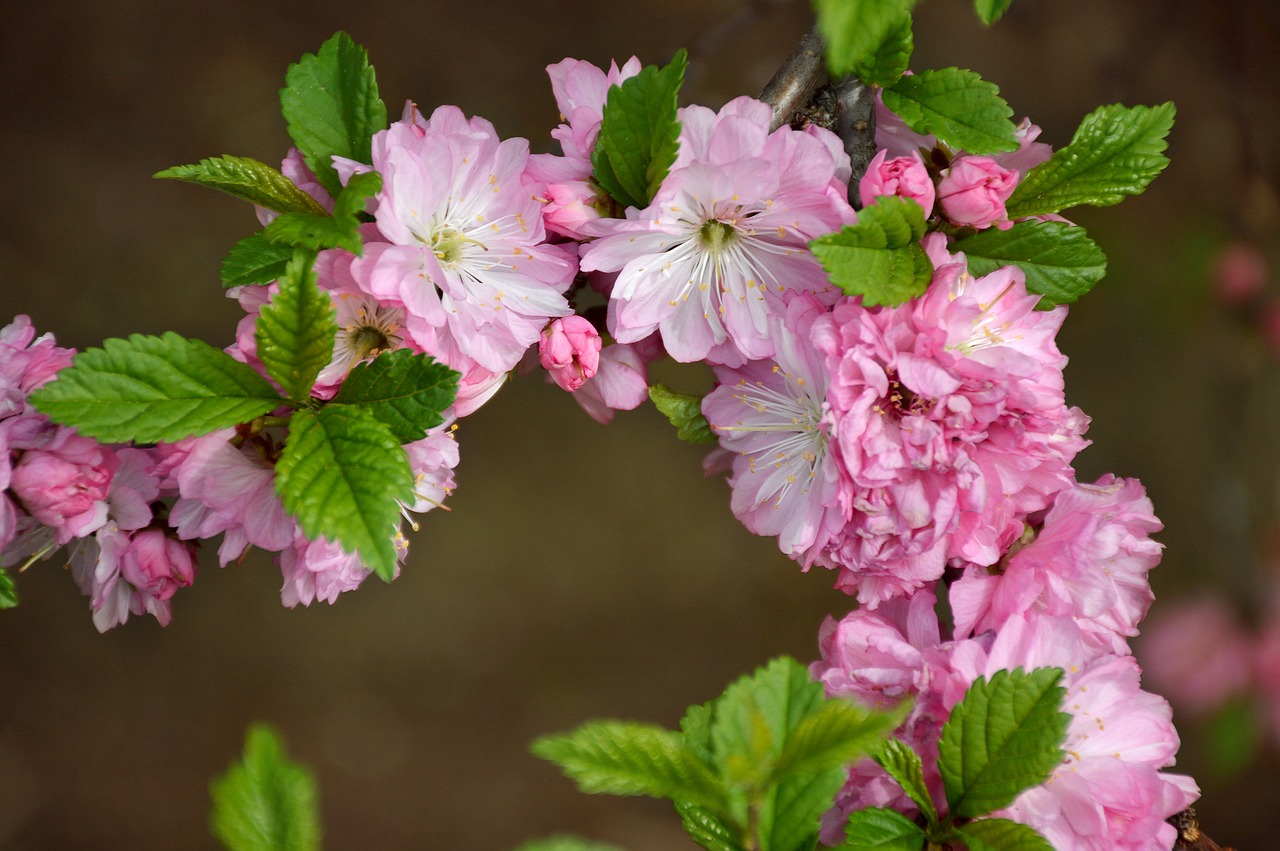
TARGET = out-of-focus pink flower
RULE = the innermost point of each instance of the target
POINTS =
(64, 483)
(973, 191)
(569, 350)
(707, 262)
(1239, 274)
(905, 177)
(1196, 654)
(1088, 560)
(158, 565)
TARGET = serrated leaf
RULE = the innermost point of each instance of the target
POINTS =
(904, 766)
(296, 329)
(331, 106)
(254, 260)
(792, 812)
(265, 802)
(639, 134)
(706, 829)
(891, 59)
(754, 717)
(407, 392)
(1005, 736)
(684, 410)
(341, 230)
(1061, 262)
(855, 31)
(566, 843)
(343, 476)
(958, 106)
(998, 834)
(990, 11)
(247, 179)
(834, 735)
(878, 829)
(151, 389)
(1116, 152)
(8, 592)
(617, 758)
(880, 257)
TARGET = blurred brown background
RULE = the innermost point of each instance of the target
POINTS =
(584, 571)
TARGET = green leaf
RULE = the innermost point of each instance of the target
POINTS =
(1005, 736)
(341, 230)
(640, 136)
(834, 735)
(1116, 152)
(331, 105)
(1060, 260)
(998, 834)
(792, 812)
(877, 829)
(8, 592)
(618, 758)
(265, 802)
(991, 11)
(296, 329)
(152, 389)
(903, 765)
(342, 475)
(566, 843)
(891, 59)
(254, 260)
(407, 392)
(684, 410)
(856, 31)
(706, 829)
(880, 257)
(754, 717)
(959, 107)
(249, 180)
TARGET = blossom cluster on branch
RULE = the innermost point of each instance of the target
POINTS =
(888, 402)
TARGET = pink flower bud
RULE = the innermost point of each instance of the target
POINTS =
(570, 351)
(157, 564)
(905, 177)
(974, 190)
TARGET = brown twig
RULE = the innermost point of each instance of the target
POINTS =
(793, 86)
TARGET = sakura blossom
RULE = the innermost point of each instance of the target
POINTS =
(905, 177)
(569, 350)
(973, 191)
(466, 257)
(707, 262)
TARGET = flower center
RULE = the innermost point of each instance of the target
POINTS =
(449, 244)
(716, 235)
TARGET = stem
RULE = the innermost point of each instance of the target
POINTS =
(856, 127)
(793, 85)
(793, 88)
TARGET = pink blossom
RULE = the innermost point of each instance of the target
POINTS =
(949, 426)
(573, 199)
(26, 362)
(466, 257)
(98, 564)
(64, 482)
(905, 177)
(707, 263)
(1030, 153)
(1196, 653)
(773, 416)
(974, 189)
(569, 350)
(1087, 560)
(318, 570)
(158, 565)
(229, 490)
(622, 381)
